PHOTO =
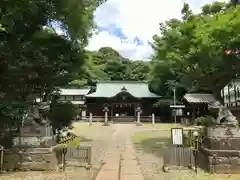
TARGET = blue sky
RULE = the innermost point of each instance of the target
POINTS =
(128, 25)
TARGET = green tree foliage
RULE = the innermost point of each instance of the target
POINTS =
(62, 114)
(192, 51)
(108, 64)
(34, 59)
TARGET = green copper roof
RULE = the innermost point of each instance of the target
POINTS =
(112, 88)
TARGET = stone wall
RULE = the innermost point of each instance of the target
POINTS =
(220, 150)
(36, 159)
(218, 164)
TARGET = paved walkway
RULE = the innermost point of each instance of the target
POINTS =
(121, 163)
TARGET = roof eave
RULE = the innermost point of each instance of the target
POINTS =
(114, 96)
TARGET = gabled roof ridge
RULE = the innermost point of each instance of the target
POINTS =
(121, 82)
(82, 87)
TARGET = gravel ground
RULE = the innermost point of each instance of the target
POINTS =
(100, 138)
(151, 162)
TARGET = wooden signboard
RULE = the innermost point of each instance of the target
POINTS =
(177, 136)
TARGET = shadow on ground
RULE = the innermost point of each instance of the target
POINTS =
(153, 146)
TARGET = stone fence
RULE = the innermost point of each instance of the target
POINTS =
(45, 159)
(36, 159)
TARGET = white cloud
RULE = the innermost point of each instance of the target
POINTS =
(137, 18)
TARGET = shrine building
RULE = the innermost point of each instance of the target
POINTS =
(121, 99)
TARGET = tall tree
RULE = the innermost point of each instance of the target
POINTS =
(108, 64)
(193, 50)
(33, 58)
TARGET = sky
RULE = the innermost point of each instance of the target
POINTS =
(129, 25)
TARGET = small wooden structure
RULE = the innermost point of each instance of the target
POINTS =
(199, 105)
(178, 156)
(79, 156)
(76, 97)
(75, 155)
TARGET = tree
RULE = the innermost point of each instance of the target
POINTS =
(34, 59)
(61, 114)
(108, 64)
(191, 51)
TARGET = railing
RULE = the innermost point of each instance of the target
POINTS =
(76, 155)
(125, 118)
(80, 155)
(178, 156)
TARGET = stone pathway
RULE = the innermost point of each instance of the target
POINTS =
(121, 163)
(129, 167)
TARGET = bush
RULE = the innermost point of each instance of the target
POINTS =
(186, 140)
(61, 114)
(206, 121)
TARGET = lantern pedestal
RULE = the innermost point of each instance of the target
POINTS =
(139, 124)
(106, 123)
(220, 150)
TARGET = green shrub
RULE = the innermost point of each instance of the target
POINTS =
(186, 140)
(205, 121)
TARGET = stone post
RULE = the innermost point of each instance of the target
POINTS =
(106, 117)
(138, 116)
(90, 119)
(153, 119)
(83, 114)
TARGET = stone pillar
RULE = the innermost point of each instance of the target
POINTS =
(83, 114)
(106, 117)
(90, 119)
(138, 118)
(153, 119)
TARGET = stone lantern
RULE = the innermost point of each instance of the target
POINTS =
(106, 109)
(138, 110)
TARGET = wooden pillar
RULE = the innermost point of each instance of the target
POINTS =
(112, 111)
(235, 93)
(229, 96)
(194, 113)
(134, 110)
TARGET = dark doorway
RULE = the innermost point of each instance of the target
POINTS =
(123, 110)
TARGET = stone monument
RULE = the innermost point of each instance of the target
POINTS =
(220, 148)
(226, 117)
(32, 150)
(35, 135)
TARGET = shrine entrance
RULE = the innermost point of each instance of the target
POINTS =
(121, 111)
